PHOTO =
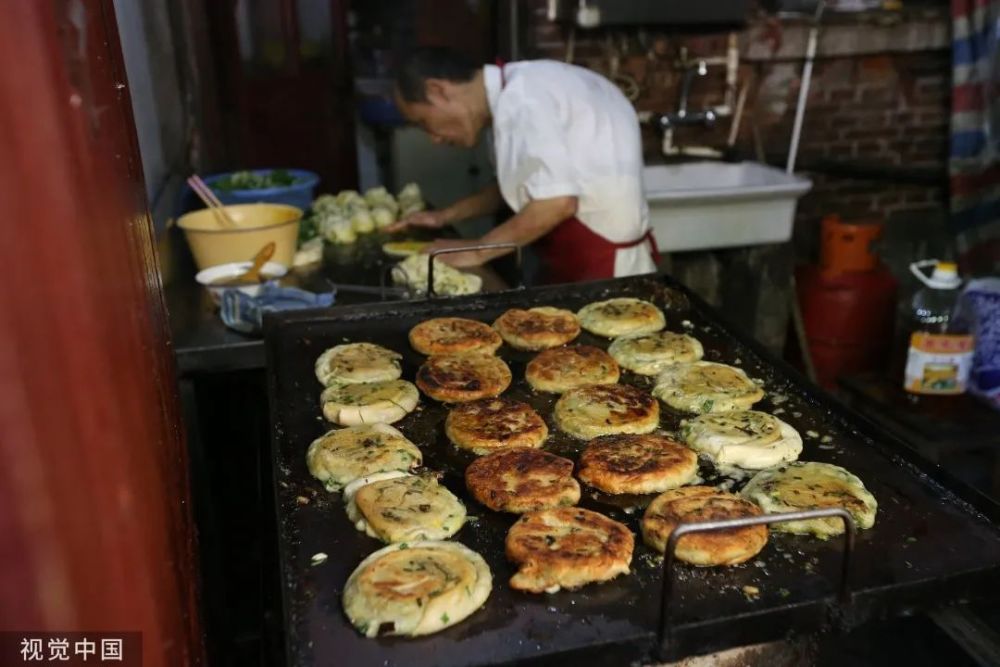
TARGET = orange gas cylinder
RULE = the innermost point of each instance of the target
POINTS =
(848, 246)
(848, 303)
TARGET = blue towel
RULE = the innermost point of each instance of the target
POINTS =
(246, 313)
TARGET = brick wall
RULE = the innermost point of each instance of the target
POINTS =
(875, 135)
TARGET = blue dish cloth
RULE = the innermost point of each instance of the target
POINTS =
(246, 313)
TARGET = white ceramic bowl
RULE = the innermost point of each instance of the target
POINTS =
(212, 274)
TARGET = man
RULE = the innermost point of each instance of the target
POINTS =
(568, 159)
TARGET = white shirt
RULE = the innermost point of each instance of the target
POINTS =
(562, 130)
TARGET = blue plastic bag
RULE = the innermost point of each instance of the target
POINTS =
(979, 311)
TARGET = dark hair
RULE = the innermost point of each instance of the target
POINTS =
(431, 62)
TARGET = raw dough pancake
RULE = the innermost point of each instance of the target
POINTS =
(648, 354)
(567, 547)
(705, 386)
(806, 485)
(357, 362)
(343, 455)
(621, 317)
(495, 423)
(563, 368)
(628, 463)
(703, 503)
(743, 439)
(537, 328)
(455, 378)
(404, 248)
(454, 335)
(369, 402)
(416, 588)
(606, 409)
(522, 480)
(403, 508)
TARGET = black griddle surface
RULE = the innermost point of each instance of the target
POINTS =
(928, 545)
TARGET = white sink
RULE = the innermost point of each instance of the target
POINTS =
(702, 205)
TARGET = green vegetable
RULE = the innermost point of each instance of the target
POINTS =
(444, 617)
(308, 229)
(248, 180)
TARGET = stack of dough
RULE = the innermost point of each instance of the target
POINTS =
(342, 217)
(410, 199)
(363, 385)
(341, 456)
(412, 273)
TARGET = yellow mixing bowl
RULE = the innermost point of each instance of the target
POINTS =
(213, 243)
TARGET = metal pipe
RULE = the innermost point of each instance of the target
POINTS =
(734, 127)
(552, 10)
(732, 68)
(800, 107)
(700, 69)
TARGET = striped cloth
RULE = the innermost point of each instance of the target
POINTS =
(974, 163)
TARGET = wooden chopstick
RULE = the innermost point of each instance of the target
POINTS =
(211, 201)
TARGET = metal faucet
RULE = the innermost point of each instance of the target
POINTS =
(681, 116)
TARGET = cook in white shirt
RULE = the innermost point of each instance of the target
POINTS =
(568, 161)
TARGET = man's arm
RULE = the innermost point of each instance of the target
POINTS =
(485, 201)
(534, 221)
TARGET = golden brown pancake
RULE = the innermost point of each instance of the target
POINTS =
(630, 463)
(454, 335)
(703, 503)
(495, 423)
(537, 328)
(563, 368)
(455, 378)
(588, 412)
(567, 547)
(522, 480)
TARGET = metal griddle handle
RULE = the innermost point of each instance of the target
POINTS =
(481, 246)
(683, 529)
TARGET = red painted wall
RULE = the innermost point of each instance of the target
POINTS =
(94, 506)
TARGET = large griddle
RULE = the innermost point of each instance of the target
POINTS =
(935, 541)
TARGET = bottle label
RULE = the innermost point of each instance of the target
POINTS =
(938, 363)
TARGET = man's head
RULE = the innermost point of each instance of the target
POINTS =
(442, 92)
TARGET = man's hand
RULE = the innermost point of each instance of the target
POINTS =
(425, 219)
(459, 260)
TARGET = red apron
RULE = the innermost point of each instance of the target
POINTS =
(572, 252)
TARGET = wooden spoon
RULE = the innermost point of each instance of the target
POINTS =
(252, 275)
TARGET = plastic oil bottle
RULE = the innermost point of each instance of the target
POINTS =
(940, 352)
